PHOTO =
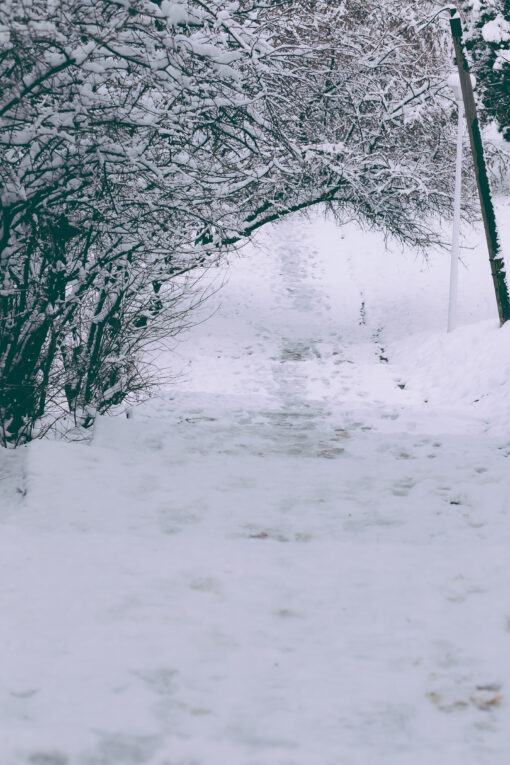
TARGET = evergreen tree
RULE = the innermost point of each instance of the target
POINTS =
(489, 44)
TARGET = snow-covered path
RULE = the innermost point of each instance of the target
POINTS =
(298, 555)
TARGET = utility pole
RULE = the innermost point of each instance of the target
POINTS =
(489, 218)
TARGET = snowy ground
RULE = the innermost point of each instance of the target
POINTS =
(298, 554)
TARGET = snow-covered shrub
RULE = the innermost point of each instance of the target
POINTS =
(140, 139)
(124, 126)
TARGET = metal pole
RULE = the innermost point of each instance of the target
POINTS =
(454, 267)
(489, 218)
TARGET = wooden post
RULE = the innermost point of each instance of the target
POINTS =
(482, 180)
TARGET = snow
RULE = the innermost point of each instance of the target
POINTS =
(298, 553)
(497, 30)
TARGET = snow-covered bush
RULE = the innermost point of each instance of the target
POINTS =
(124, 128)
(140, 139)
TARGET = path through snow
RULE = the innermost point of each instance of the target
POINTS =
(297, 555)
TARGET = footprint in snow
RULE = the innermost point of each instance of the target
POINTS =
(485, 697)
(48, 758)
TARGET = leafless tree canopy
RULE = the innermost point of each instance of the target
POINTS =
(141, 139)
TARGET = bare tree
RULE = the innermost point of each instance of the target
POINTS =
(124, 128)
(141, 139)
